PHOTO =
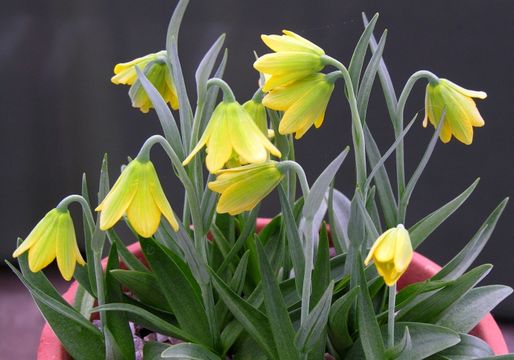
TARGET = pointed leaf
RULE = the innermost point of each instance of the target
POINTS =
(188, 351)
(278, 317)
(205, 68)
(174, 277)
(423, 228)
(359, 53)
(253, 321)
(460, 263)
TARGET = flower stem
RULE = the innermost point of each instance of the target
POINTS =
(85, 208)
(298, 170)
(390, 316)
(228, 95)
(357, 131)
(398, 128)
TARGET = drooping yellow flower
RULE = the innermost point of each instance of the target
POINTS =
(461, 113)
(231, 129)
(295, 58)
(304, 103)
(53, 237)
(158, 73)
(242, 188)
(137, 193)
(392, 254)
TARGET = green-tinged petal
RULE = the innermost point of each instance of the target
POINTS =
(228, 177)
(213, 123)
(287, 62)
(65, 245)
(375, 245)
(160, 198)
(465, 92)
(125, 72)
(306, 42)
(37, 233)
(246, 195)
(219, 147)
(392, 254)
(403, 251)
(172, 97)
(257, 112)
(244, 134)
(43, 252)
(282, 98)
(118, 199)
(306, 111)
(143, 213)
(290, 43)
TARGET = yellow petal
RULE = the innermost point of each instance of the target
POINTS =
(290, 43)
(386, 250)
(42, 253)
(465, 92)
(160, 199)
(306, 42)
(244, 196)
(244, 134)
(403, 251)
(37, 233)
(65, 245)
(282, 98)
(219, 146)
(213, 123)
(143, 213)
(120, 196)
(288, 62)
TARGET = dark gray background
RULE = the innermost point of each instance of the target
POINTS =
(59, 112)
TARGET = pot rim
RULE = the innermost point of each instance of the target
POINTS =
(420, 269)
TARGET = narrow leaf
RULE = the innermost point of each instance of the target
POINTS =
(460, 263)
(466, 313)
(168, 124)
(320, 187)
(278, 317)
(188, 351)
(315, 324)
(252, 320)
(368, 78)
(205, 68)
(359, 53)
(423, 228)
(173, 278)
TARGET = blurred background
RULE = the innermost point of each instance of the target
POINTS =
(59, 113)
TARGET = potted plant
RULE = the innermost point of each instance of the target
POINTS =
(221, 283)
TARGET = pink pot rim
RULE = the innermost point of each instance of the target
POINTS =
(420, 269)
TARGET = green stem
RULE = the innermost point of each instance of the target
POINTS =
(390, 316)
(307, 276)
(300, 173)
(228, 95)
(357, 131)
(200, 238)
(258, 96)
(85, 208)
(398, 128)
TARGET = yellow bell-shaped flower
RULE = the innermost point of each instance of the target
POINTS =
(242, 188)
(138, 194)
(304, 103)
(392, 254)
(231, 129)
(53, 237)
(158, 73)
(295, 58)
(461, 113)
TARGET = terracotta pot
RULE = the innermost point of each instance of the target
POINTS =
(420, 269)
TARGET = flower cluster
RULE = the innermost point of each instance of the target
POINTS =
(219, 284)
